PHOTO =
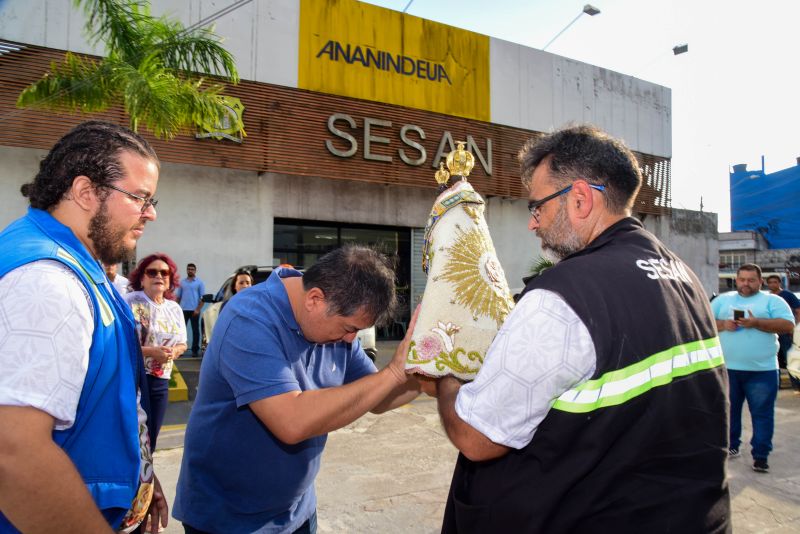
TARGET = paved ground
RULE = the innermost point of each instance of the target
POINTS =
(390, 473)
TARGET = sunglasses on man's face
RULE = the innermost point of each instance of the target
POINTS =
(535, 206)
(152, 273)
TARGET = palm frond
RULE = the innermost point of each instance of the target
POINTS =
(119, 25)
(149, 98)
(165, 104)
(207, 106)
(197, 52)
(76, 85)
(539, 265)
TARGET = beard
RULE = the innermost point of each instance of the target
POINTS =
(560, 240)
(108, 241)
(745, 291)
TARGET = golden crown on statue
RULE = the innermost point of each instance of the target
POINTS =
(460, 161)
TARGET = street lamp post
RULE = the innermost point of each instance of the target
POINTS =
(588, 9)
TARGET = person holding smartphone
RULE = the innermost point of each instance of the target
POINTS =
(749, 322)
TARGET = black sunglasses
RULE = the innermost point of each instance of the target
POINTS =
(535, 205)
(152, 273)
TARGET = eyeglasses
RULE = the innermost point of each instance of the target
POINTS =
(535, 205)
(146, 202)
(152, 273)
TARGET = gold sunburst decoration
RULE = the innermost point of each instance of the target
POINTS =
(477, 277)
(475, 212)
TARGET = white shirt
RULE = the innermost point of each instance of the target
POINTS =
(46, 328)
(542, 350)
(121, 283)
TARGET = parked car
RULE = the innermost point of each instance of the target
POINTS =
(259, 274)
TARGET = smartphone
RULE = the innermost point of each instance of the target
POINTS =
(738, 314)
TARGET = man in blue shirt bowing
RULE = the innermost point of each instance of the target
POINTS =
(283, 369)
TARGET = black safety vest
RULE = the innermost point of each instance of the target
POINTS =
(642, 445)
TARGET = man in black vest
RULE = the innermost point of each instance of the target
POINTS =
(601, 406)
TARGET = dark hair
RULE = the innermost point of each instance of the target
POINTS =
(135, 278)
(191, 265)
(354, 278)
(236, 275)
(91, 149)
(586, 152)
(749, 267)
(774, 277)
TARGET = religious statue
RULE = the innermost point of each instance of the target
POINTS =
(466, 298)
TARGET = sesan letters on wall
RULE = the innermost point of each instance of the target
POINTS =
(410, 136)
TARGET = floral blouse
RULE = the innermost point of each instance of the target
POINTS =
(157, 325)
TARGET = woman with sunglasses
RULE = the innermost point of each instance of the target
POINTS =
(160, 328)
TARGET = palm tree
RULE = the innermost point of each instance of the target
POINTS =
(151, 69)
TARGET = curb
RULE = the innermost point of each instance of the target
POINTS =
(180, 392)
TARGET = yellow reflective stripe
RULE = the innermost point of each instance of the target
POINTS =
(106, 315)
(622, 385)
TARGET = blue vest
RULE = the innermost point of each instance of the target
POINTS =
(103, 443)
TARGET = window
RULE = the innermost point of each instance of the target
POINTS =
(301, 243)
(731, 261)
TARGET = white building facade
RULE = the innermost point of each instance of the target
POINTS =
(348, 109)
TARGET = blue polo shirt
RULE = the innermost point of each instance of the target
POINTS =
(750, 349)
(190, 292)
(236, 476)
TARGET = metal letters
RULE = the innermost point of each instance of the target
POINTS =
(371, 126)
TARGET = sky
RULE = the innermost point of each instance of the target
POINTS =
(735, 92)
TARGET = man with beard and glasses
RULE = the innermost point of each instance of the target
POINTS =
(75, 456)
(601, 405)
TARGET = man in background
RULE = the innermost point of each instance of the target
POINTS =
(785, 340)
(119, 281)
(749, 322)
(190, 297)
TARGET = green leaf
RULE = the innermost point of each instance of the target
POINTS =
(540, 264)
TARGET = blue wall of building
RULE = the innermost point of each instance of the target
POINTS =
(767, 203)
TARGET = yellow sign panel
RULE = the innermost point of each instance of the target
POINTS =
(363, 51)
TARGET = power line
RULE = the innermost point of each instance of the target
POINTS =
(214, 16)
